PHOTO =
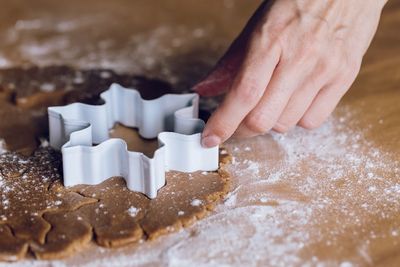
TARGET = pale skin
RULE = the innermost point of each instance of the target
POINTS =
(291, 65)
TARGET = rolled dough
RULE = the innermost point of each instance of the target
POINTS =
(39, 215)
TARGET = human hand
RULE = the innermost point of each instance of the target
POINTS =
(290, 66)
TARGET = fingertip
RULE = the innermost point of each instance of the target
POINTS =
(281, 128)
(209, 141)
(308, 123)
(212, 135)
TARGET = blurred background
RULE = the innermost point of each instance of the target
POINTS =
(174, 40)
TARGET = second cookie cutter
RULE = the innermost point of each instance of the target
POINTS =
(173, 119)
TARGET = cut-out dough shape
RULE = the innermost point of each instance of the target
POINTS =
(173, 119)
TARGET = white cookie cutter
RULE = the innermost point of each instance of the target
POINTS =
(171, 118)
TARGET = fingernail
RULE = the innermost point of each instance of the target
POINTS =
(210, 141)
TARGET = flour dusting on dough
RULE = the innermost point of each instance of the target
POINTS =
(196, 202)
(47, 87)
(133, 211)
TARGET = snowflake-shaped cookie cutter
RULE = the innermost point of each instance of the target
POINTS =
(172, 118)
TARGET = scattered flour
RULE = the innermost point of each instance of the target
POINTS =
(44, 142)
(4, 63)
(105, 74)
(47, 87)
(133, 211)
(230, 201)
(346, 264)
(61, 43)
(196, 202)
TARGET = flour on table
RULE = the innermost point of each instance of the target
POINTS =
(139, 53)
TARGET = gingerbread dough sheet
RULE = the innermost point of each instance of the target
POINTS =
(40, 216)
(329, 197)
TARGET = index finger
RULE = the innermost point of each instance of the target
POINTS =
(246, 90)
